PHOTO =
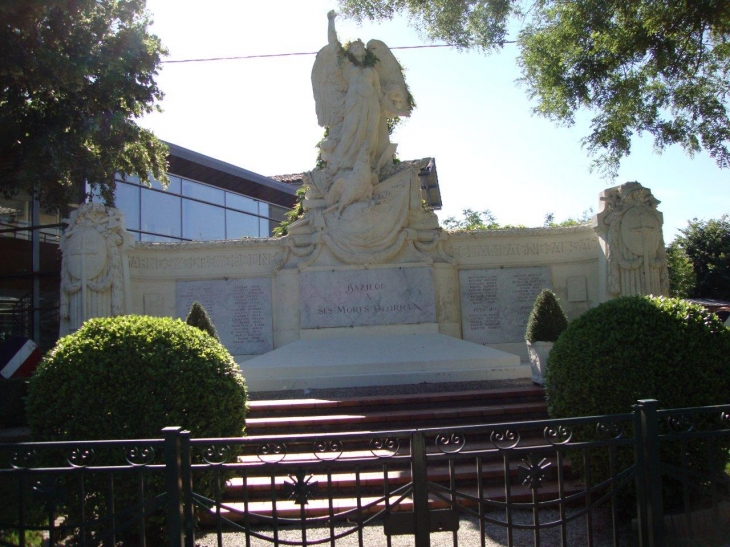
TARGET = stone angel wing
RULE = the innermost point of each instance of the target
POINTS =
(392, 83)
(329, 86)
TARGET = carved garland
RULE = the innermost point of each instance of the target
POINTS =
(113, 278)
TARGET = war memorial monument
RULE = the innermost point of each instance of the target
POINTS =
(366, 288)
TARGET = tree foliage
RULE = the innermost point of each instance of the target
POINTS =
(682, 278)
(706, 246)
(661, 68)
(472, 220)
(74, 77)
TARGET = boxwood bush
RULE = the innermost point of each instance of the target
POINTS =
(128, 377)
(547, 319)
(634, 348)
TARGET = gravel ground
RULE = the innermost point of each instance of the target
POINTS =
(467, 536)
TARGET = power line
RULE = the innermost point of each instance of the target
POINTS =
(295, 54)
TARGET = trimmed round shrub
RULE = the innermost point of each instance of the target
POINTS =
(639, 348)
(126, 378)
(130, 376)
(635, 348)
(547, 319)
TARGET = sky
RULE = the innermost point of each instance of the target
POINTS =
(472, 116)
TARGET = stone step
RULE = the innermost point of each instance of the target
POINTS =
(260, 484)
(369, 420)
(356, 472)
(310, 406)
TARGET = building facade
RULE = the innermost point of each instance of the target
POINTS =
(206, 199)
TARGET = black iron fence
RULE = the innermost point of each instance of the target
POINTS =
(548, 482)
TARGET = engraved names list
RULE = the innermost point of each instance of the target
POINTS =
(496, 302)
(239, 308)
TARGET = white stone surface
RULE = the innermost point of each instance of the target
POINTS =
(354, 297)
(94, 271)
(239, 308)
(496, 302)
(378, 360)
(633, 256)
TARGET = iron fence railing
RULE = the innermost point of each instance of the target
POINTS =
(520, 483)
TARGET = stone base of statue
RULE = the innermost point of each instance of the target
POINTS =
(379, 360)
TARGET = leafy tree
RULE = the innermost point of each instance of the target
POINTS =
(584, 218)
(75, 75)
(643, 66)
(682, 278)
(473, 220)
(706, 244)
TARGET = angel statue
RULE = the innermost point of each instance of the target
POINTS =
(356, 90)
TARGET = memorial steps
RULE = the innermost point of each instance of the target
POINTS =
(274, 419)
(374, 360)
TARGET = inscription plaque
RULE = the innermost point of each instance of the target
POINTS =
(496, 302)
(354, 298)
(239, 308)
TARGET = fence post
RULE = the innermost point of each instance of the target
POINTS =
(187, 485)
(652, 471)
(173, 482)
(419, 474)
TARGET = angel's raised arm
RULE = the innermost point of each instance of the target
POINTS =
(331, 32)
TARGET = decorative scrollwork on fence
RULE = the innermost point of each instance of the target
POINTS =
(272, 452)
(680, 423)
(450, 444)
(140, 455)
(505, 440)
(532, 471)
(301, 488)
(385, 448)
(610, 430)
(725, 419)
(556, 435)
(327, 449)
(216, 454)
(22, 459)
(81, 457)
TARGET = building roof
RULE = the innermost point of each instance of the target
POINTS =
(193, 165)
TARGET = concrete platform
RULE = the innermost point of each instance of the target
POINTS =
(379, 360)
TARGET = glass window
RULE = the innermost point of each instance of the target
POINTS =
(175, 186)
(264, 227)
(160, 213)
(264, 209)
(242, 203)
(202, 221)
(127, 199)
(156, 238)
(134, 179)
(202, 192)
(240, 225)
(277, 213)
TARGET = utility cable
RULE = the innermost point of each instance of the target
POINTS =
(295, 54)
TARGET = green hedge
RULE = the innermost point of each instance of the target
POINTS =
(128, 377)
(547, 319)
(640, 348)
